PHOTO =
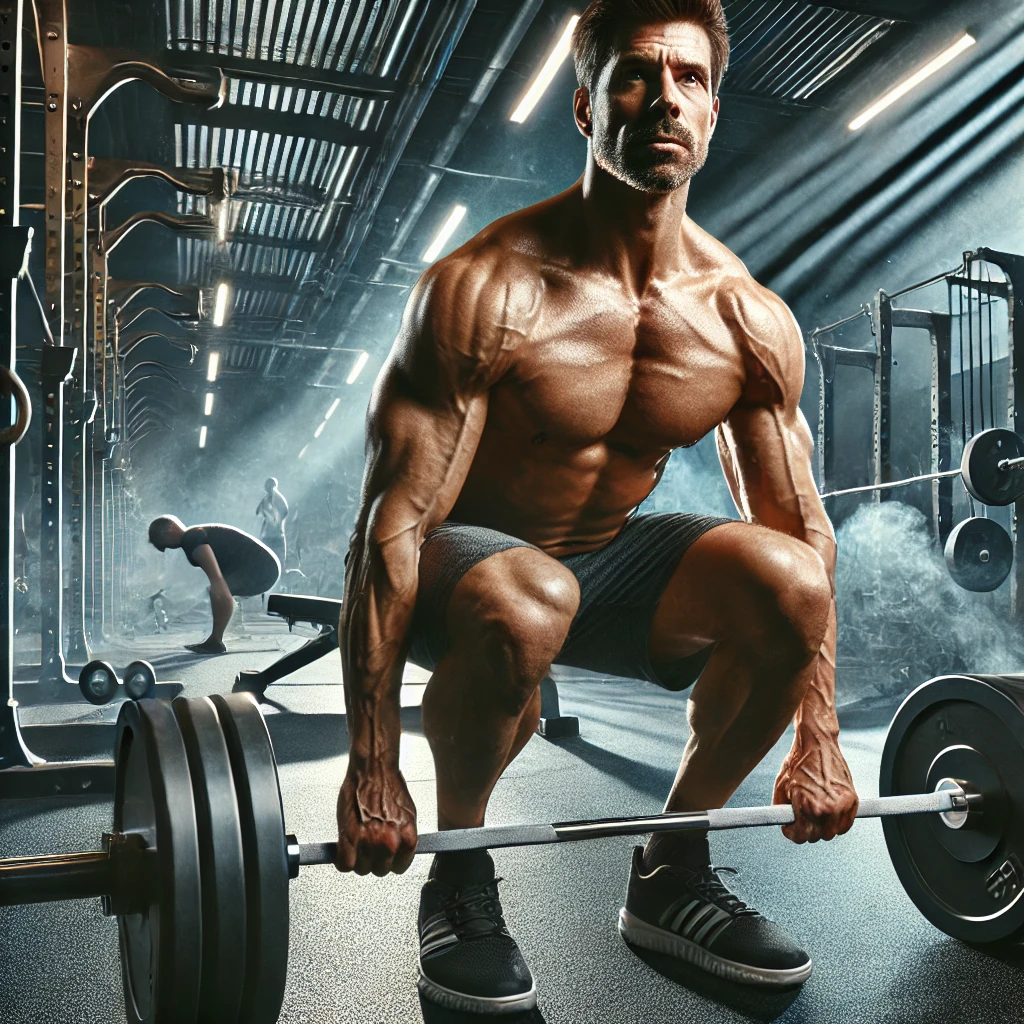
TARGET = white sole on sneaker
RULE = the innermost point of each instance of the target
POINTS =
(460, 1001)
(648, 936)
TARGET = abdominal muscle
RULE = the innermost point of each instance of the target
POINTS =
(566, 501)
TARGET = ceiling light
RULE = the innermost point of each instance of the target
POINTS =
(212, 366)
(357, 368)
(320, 429)
(209, 404)
(544, 77)
(222, 221)
(453, 221)
(333, 408)
(202, 437)
(304, 450)
(913, 81)
(221, 307)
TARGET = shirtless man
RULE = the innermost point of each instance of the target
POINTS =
(274, 509)
(543, 375)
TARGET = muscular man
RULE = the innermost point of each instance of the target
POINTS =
(543, 375)
(274, 510)
(236, 564)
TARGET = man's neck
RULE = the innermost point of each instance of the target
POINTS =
(638, 235)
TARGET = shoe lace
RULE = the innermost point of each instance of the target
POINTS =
(475, 911)
(719, 893)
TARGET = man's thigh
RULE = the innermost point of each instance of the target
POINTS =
(725, 579)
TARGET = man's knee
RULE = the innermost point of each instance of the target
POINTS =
(515, 609)
(792, 595)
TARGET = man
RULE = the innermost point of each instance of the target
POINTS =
(274, 510)
(543, 375)
(236, 564)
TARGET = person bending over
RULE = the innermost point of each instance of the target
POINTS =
(237, 565)
(274, 510)
(542, 377)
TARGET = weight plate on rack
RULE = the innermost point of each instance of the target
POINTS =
(970, 728)
(266, 862)
(98, 682)
(979, 555)
(140, 680)
(160, 945)
(980, 466)
(221, 859)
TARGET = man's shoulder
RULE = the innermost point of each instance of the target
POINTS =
(757, 310)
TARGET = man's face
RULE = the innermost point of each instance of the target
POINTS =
(650, 113)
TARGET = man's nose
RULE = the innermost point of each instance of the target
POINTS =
(667, 98)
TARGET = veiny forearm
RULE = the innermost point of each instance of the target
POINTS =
(380, 597)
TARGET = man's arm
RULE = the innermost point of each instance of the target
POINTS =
(424, 424)
(222, 604)
(765, 447)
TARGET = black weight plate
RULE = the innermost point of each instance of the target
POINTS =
(979, 555)
(160, 946)
(140, 680)
(266, 860)
(98, 682)
(946, 883)
(980, 467)
(221, 860)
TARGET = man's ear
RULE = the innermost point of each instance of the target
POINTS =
(582, 112)
(715, 110)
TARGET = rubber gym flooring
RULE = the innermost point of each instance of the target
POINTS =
(353, 940)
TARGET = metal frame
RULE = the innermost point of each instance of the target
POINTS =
(885, 318)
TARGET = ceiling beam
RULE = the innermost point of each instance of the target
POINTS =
(893, 10)
(276, 122)
(276, 72)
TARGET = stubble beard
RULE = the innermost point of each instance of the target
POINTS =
(628, 158)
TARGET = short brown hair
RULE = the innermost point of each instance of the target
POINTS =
(594, 38)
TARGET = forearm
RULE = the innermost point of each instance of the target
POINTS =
(380, 596)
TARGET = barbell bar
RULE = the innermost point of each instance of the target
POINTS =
(950, 798)
(988, 470)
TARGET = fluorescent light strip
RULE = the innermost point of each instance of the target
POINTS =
(221, 307)
(222, 221)
(304, 450)
(386, 69)
(546, 74)
(358, 368)
(333, 408)
(212, 366)
(320, 429)
(202, 437)
(453, 221)
(208, 409)
(913, 82)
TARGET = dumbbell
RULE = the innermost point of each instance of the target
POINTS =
(98, 681)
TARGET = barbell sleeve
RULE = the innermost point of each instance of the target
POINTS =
(496, 837)
(68, 876)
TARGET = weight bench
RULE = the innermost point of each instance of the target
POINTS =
(324, 613)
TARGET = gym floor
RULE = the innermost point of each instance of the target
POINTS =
(353, 940)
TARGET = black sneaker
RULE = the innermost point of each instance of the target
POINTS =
(468, 960)
(691, 914)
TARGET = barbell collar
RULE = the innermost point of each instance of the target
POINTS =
(496, 837)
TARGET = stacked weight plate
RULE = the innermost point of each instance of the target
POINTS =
(208, 936)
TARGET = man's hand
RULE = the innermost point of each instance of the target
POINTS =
(376, 822)
(816, 780)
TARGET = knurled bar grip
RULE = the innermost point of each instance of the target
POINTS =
(495, 837)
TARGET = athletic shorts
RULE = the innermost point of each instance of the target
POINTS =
(620, 587)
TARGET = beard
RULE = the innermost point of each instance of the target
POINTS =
(628, 158)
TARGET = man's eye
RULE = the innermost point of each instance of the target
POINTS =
(690, 78)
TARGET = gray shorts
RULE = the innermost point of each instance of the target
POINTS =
(620, 587)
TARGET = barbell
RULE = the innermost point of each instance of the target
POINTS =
(197, 865)
(992, 470)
